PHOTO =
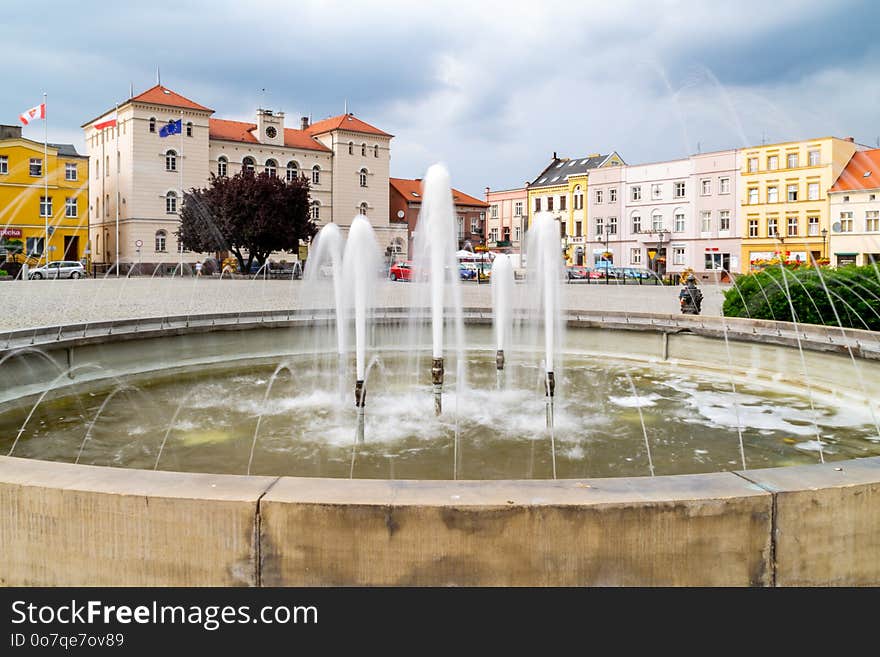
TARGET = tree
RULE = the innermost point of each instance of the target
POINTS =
(251, 215)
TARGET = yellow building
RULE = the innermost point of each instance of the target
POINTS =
(24, 213)
(785, 207)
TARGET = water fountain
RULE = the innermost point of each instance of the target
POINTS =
(502, 308)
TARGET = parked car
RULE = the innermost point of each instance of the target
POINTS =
(466, 272)
(603, 267)
(577, 273)
(401, 271)
(636, 273)
(59, 269)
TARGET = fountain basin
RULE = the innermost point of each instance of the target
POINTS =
(805, 525)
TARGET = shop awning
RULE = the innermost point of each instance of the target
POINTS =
(846, 254)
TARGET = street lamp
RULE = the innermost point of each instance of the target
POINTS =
(824, 235)
(605, 254)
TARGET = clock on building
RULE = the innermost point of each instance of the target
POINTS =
(271, 132)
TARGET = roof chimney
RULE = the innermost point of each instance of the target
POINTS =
(10, 131)
(487, 190)
(850, 139)
(304, 123)
(554, 155)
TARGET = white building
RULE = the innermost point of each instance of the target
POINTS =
(138, 177)
(855, 212)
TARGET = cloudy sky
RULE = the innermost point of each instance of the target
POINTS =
(489, 88)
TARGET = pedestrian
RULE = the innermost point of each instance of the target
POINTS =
(198, 269)
(690, 297)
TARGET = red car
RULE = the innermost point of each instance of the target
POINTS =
(401, 271)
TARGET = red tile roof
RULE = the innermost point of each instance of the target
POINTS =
(243, 132)
(160, 95)
(862, 172)
(411, 190)
(344, 122)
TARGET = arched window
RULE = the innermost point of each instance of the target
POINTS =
(351, 148)
(171, 203)
(292, 171)
(153, 124)
(364, 150)
(362, 177)
(161, 236)
(636, 220)
(656, 220)
(316, 175)
(171, 160)
(189, 129)
(376, 151)
(222, 166)
(316, 210)
(247, 164)
(362, 208)
(271, 167)
(578, 198)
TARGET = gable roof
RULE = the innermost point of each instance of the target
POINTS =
(562, 168)
(160, 95)
(862, 172)
(411, 190)
(242, 131)
(344, 122)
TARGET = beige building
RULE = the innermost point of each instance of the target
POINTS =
(138, 176)
(855, 212)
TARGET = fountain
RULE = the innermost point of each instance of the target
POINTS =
(502, 308)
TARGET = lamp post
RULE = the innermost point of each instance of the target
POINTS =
(660, 253)
(824, 235)
(605, 254)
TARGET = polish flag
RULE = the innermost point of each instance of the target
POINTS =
(38, 112)
(108, 122)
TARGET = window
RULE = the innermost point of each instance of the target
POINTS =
(460, 227)
(222, 166)
(363, 150)
(724, 220)
(846, 222)
(656, 221)
(107, 205)
(612, 195)
(493, 234)
(316, 210)
(97, 168)
(772, 227)
(537, 205)
(578, 198)
(753, 227)
(376, 151)
(271, 168)
(612, 225)
(475, 225)
(792, 192)
(772, 162)
(813, 191)
(678, 224)
(70, 207)
(362, 177)
(656, 191)
(635, 193)
(705, 187)
(517, 209)
(171, 203)
(35, 167)
(152, 125)
(872, 197)
(773, 194)
(4, 164)
(753, 195)
(792, 160)
(872, 220)
(34, 246)
(494, 210)
(189, 129)
(316, 175)
(846, 199)
(753, 164)
(97, 206)
(813, 157)
(170, 161)
(578, 229)
(351, 148)
(161, 237)
(248, 164)
(679, 190)
(549, 204)
(45, 206)
(599, 196)
(600, 226)
(791, 226)
(107, 167)
(563, 202)
(292, 171)
(518, 233)
(678, 255)
(637, 223)
(706, 221)
(635, 256)
(724, 184)
(812, 226)
(362, 208)
(70, 171)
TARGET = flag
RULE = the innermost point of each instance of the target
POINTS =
(108, 122)
(38, 112)
(173, 128)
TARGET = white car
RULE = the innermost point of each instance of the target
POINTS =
(58, 269)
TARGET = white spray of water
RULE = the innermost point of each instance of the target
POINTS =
(545, 273)
(502, 291)
(326, 260)
(360, 267)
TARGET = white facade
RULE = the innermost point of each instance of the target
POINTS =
(855, 227)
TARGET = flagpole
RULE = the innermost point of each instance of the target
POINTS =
(102, 203)
(180, 201)
(46, 174)
(116, 128)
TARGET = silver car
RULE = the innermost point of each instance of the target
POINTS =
(58, 269)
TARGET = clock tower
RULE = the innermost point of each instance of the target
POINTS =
(270, 127)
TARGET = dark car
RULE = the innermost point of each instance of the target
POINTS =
(577, 273)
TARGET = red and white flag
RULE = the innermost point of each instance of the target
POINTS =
(38, 112)
(107, 122)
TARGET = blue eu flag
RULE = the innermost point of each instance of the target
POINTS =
(173, 128)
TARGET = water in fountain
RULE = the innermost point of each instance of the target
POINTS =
(502, 300)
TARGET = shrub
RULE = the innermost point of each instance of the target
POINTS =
(848, 296)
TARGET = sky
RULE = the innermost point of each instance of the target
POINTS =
(491, 89)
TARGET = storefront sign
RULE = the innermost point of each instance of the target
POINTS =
(10, 232)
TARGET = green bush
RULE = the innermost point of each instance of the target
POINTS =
(848, 296)
(3, 273)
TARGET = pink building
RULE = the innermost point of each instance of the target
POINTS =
(506, 220)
